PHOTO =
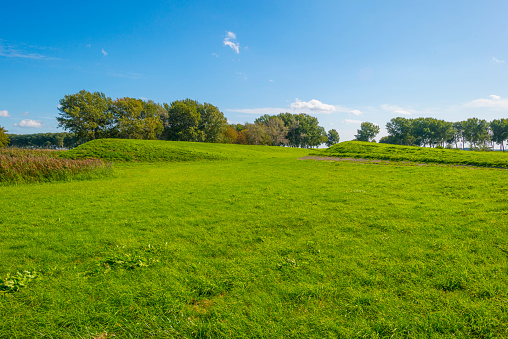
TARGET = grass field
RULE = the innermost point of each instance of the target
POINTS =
(253, 242)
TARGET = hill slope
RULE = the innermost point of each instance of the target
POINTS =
(369, 150)
(174, 151)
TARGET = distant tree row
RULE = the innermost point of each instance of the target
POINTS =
(94, 115)
(285, 129)
(43, 140)
(433, 132)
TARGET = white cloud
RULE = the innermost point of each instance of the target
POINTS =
(4, 114)
(397, 109)
(215, 55)
(313, 105)
(495, 101)
(29, 123)
(349, 121)
(356, 112)
(234, 45)
(497, 60)
(104, 52)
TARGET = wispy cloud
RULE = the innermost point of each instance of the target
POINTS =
(104, 52)
(228, 41)
(494, 101)
(243, 75)
(124, 75)
(29, 123)
(215, 55)
(22, 50)
(4, 113)
(497, 60)
(356, 112)
(313, 105)
(397, 109)
(349, 121)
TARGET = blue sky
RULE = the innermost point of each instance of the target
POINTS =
(342, 61)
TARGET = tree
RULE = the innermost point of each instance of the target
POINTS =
(400, 130)
(254, 134)
(213, 122)
(86, 114)
(189, 120)
(367, 132)
(332, 137)
(476, 131)
(137, 119)
(499, 130)
(4, 138)
(182, 122)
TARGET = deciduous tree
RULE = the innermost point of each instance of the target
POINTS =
(367, 132)
(332, 137)
(87, 115)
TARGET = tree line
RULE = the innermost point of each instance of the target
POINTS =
(43, 140)
(94, 115)
(433, 132)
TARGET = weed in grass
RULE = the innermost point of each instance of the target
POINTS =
(13, 283)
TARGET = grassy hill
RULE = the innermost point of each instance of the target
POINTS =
(369, 150)
(122, 150)
(258, 244)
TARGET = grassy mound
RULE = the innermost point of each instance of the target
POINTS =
(137, 150)
(369, 150)
(174, 151)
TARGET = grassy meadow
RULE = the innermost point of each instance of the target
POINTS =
(232, 241)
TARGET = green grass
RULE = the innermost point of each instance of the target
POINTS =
(369, 150)
(258, 245)
(123, 150)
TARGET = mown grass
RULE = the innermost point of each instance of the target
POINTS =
(263, 246)
(368, 150)
(21, 166)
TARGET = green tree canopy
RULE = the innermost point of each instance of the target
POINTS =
(367, 132)
(182, 121)
(499, 130)
(332, 137)
(87, 115)
(4, 138)
(137, 119)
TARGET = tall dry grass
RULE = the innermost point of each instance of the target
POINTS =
(30, 166)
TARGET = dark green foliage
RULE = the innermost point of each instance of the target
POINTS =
(499, 130)
(367, 132)
(4, 138)
(42, 140)
(189, 120)
(332, 137)
(357, 149)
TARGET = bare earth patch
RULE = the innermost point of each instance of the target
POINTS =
(313, 157)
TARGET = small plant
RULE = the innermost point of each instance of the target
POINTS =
(16, 282)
